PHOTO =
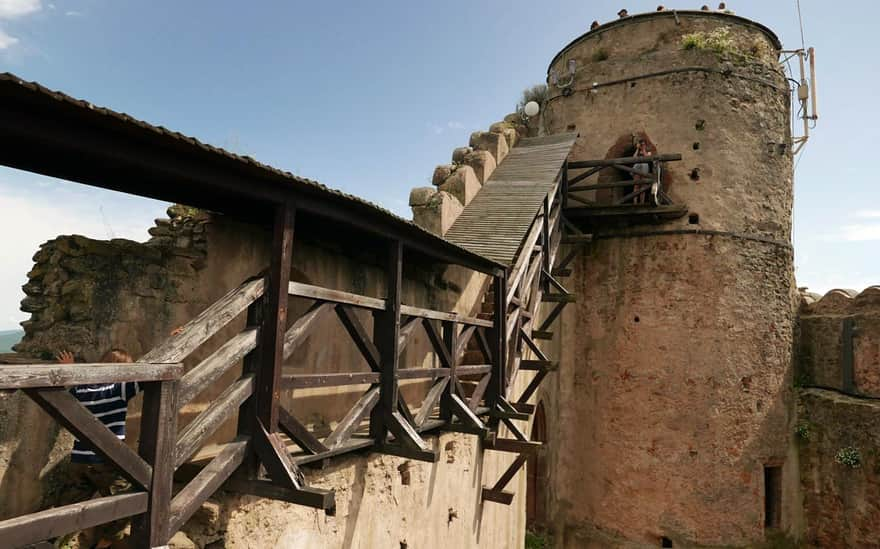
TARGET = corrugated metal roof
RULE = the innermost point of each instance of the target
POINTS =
(496, 221)
(10, 84)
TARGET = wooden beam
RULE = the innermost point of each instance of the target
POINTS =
(311, 497)
(58, 521)
(525, 253)
(463, 339)
(156, 446)
(386, 336)
(438, 315)
(514, 445)
(268, 383)
(551, 316)
(218, 363)
(450, 341)
(497, 384)
(407, 329)
(31, 376)
(430, 401)
(437, 343)
(405, 435)
(359, 336)
(466, 415)
(533, 386)
(208, 481)
(303, 327)
(73, 416)
(558, 298)
(479, 391)
(206, 424)
(505, 498)
(613, 184)
(298, 433)
(299, 381)
(578, 164)
(534, 347)
(275, 458)
(205, 325)
(309, 291)
(353, 418)
(537, 365)
(484, 345)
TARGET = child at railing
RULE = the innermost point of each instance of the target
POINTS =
(89, 474)
(643, 171)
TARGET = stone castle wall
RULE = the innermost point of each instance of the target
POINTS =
(674, 388)
(838, 424)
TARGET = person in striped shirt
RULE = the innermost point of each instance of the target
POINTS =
(89, 475)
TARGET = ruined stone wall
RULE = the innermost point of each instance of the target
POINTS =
(838, 424)
(674, 388)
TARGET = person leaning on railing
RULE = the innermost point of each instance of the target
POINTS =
(89, 474)
(643, 170)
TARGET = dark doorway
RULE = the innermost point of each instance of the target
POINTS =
(772, 496)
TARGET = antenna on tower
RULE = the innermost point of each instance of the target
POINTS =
(806, 91)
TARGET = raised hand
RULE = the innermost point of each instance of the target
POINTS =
(64, 357)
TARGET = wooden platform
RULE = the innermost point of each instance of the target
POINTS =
(627, 214)
(495, 223)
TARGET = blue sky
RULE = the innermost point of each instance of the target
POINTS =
(369, 97)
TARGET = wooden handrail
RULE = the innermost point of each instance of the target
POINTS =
(32, 376)
(578, 164)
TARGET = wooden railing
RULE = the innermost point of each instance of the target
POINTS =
(394, 427)
(641, 188)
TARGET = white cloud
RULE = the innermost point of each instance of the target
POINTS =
(860, 232)
(6, 40)
(17, 8)
(73, 13)
(868, 214)
(455, 125)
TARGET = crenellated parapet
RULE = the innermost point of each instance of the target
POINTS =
(454, 185)
(839, 341)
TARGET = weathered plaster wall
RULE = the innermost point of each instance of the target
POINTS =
(674, 389)
(839, 434)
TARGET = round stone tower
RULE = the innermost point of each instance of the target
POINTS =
(670, 415)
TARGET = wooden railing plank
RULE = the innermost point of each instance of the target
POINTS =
(24, 530)
(209, 322)
(298, 381)
(68, 411)
(353, 418)
(437, 315)
(298, 432)
(218, 363)
(31, 376)
(430, 401)
(437, 343)
(221, 409)
(208, 481)
(479, 390)
(303, 327)
(309, 291)
(359, 336)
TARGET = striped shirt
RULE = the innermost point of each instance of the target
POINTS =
(109, 403)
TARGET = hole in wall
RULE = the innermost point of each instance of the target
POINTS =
(700, 125)
(571, 127)
(403, 545)
(694, 219)
(772, 496)
(695, 174)
(696, 145)
(665, 542)
(405, 475)
(632, 84)
(636, 319)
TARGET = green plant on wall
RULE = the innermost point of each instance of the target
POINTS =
(849, 456)
(535, 540)
(803, 431)
(538, 93)
(719, 40)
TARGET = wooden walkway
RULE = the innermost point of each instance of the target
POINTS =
(495, 223)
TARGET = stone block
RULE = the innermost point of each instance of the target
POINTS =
(420, 196)
(460, 153)
(483, 164)
(495, 143)
(441, 174)
(438, 213)
(462, 184)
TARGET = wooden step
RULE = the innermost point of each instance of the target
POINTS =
(498, 496)
(535, 365)
(538, 334)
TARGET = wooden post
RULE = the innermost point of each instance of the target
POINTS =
(275, 318)
(563, 187)
(545, 236)
(450, 341)
(386, 336)
(497, 385)
(158, 437)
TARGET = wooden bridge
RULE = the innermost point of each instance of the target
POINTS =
(52, 134)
